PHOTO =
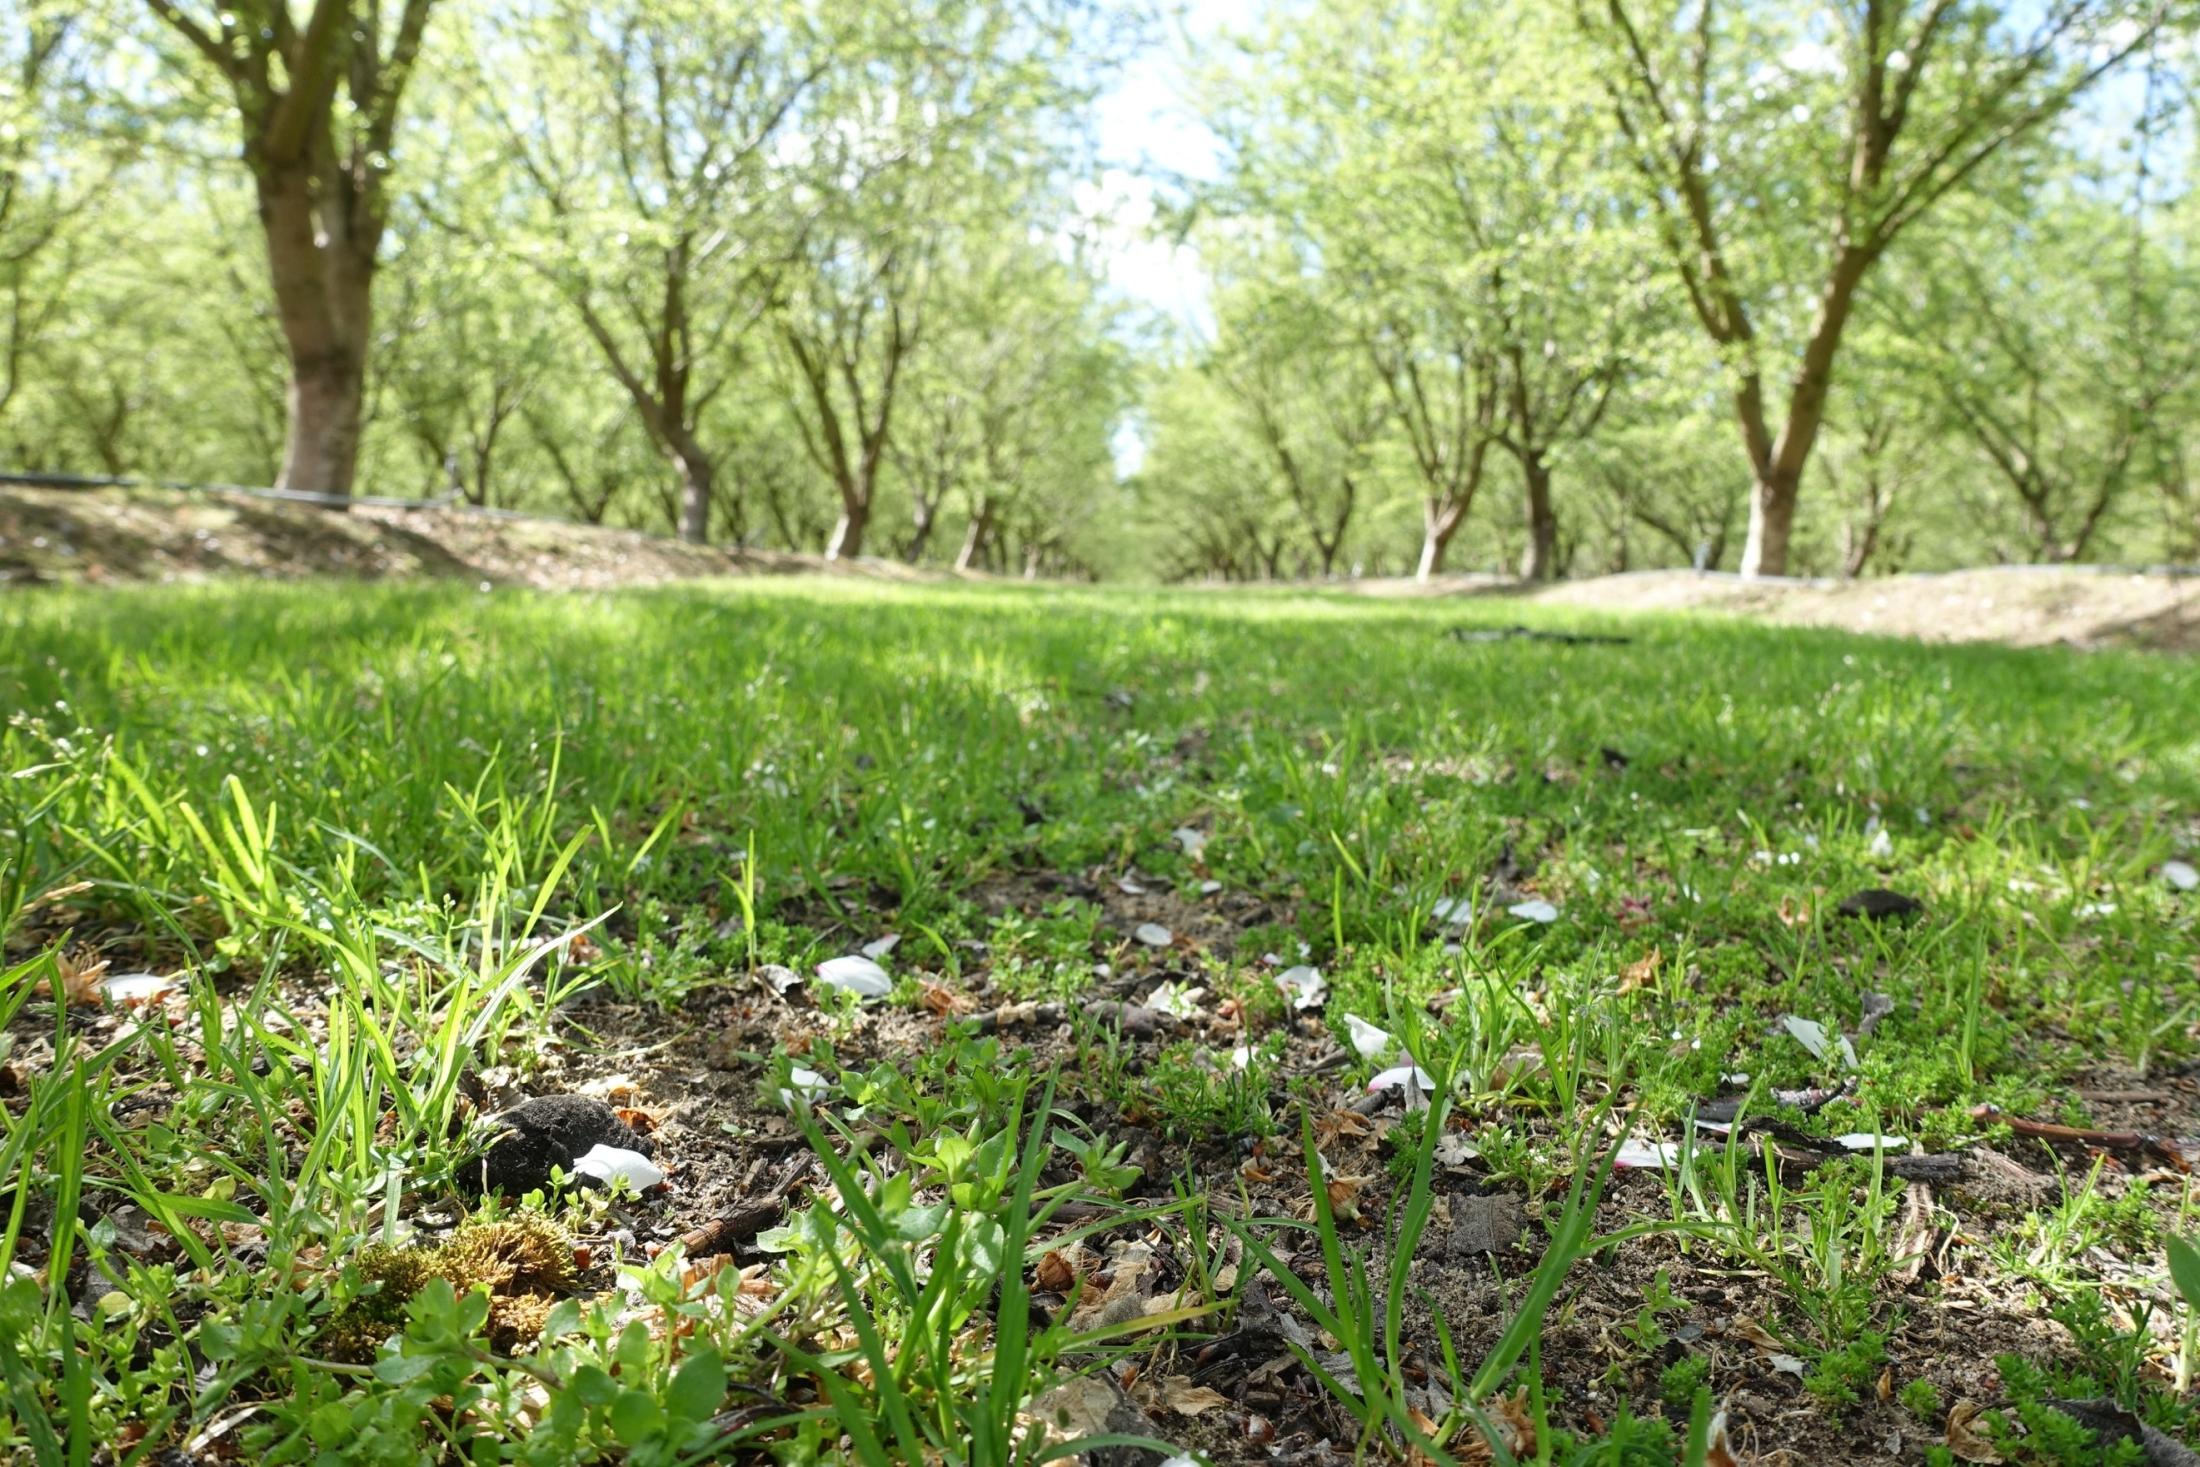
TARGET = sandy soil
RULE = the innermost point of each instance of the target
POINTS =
(2024, 606)
(51, 535)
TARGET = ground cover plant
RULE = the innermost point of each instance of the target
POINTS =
(1059, 1023)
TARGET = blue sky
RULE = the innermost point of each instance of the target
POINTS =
(1146, 130)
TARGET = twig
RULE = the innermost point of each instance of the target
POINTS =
(721, 1233)
(2145, 1141)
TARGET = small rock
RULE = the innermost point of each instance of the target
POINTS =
(547, 1131)
(1878, 903)
(1094, 1405)
(2112, 1425)
(1484, 1224)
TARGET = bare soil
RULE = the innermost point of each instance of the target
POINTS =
(126, 535)
(2023, 606)
(696, 1080)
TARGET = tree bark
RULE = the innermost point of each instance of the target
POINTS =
(974, 538)
(1772, 502)
(323, 281)
(1438, 525)
(1539, 562)
(698, 478)
(924, 514)
(847, 541)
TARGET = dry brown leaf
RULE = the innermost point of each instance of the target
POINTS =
(1515, 1422)
(1180, 1395)
(1756, 1334)
(1641, 973)
(1054, 1273)
(945, 1001)
(1721, 1453)
(1338, 1124)
(695, 1272)
(640, 1122)
(1914, 1242)
(1344, 1195)
(1965, 1440)
(80, 973)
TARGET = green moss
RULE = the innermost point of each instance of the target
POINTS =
(524, 1261)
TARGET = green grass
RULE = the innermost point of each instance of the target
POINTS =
(387, 833)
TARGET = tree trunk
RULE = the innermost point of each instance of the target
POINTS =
(847, 541)
(1779, 474)
(973, 545)
(321, 445)
(1540, 560)
(925, 516)
(322, 297)
(1438, 525)
(1771, 525)
(697, 477)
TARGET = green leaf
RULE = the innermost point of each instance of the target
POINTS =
(594, 1386)
(2184, 1267)
(698, 1387)
(637, 1418)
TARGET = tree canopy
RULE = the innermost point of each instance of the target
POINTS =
(1521, 287)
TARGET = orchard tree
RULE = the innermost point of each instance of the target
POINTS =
(650, 139)
(952, 125)
(315, 99)
(1464, 219)
(52, 173)
(1305, 394)
(1785, 146)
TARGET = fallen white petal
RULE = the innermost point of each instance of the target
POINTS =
(1808, 1032)
(2097, 909)
(134, 987)
(613, 1163)
(2181, 875)
(1882, 845)
(808, 1085)
(1190, 841)
(1304, 986)
(1366, 1038)
(1535, 909)
(1647, 1156)
(1153, 934)
(882, 947)
(1456, 1150)
(1209, 888)
(1241, 1056)
(1786, 1364)
(1391, 1078)
(1454, 911)
(1177, 1000)
(856, 975)
(1129, 886)
(1866, 1140)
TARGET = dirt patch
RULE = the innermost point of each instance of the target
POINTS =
(2023, 606)
(124, 535)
